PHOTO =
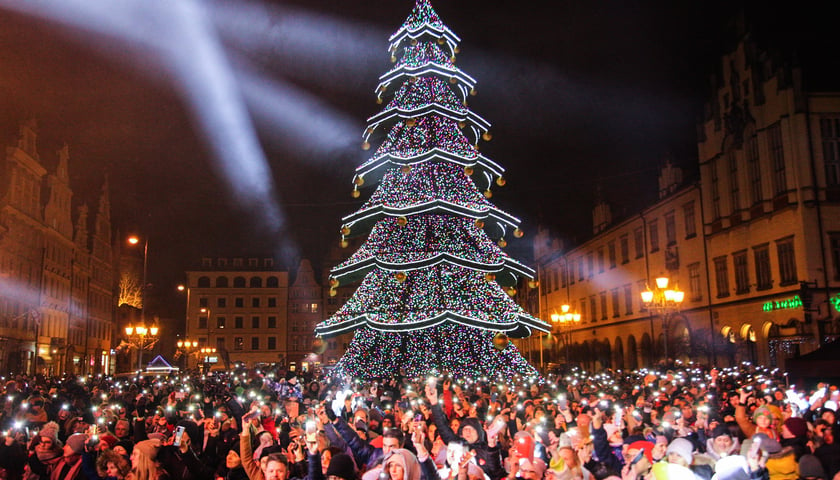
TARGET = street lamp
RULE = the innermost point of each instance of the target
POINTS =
(666, 301)
(134, 240)
(566, 319)
(140, 332)
(186, 346)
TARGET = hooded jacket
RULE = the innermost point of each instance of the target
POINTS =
(488, 458)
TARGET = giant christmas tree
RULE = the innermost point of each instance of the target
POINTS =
(435, 283)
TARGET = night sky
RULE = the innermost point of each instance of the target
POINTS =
(579, 93)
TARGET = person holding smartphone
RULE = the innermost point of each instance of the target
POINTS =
(638, 460)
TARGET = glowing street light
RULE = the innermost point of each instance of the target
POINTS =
(664, 300)
(140, 332)
(566, 319)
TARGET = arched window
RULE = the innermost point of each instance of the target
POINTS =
(204, 282)
(271, 282)
(256, 282)
(239, 282)
(222, 282)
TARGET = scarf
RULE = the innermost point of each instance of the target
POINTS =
(71, 464)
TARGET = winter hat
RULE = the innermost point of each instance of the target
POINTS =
(127, 445)
(797, 426)
(76, 442)
(720, 430)
(473, 423)
(683, 448)
(810, 467)
(763, 410)
(148, 448)
(733, 467)
(341, 465)
(109, 439)
(50, 430)
(643, 444)
(235, 447)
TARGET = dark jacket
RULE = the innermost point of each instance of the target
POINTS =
(488, 458)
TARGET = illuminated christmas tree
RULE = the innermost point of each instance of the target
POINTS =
(436, 286)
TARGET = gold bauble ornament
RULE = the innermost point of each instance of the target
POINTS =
(462, 124)
(410, 122)
(473, 92)
(502, 243)
(406, 169)
(401, 221)
(413, 79)
(490, 277)
(452, 59)
(345, 231)
(441, 40)
(366, 146)
(334, 282)
(500, 341)
(343, 244)
(379, 100)
(488, 193)
(487, 136)
(501, 181)
(359, 180)
(511, 291)
(533, 284)
(393, 58)
(468, 171)
(333, 292)
(355, 193)
(414, 41)
(518, 233)
(319, 346)
(400, 276)
(457, 49)
(479, 223)
(453, 80)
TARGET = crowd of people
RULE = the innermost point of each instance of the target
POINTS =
(682, 422)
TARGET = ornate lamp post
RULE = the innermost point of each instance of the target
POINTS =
(186, 346)
(566, 319)
(139, 334)
(665, 301)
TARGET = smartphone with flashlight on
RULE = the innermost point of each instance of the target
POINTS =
(638, 457)
(179, 433)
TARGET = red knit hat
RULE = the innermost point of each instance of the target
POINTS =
(797, 426)
(643, 445)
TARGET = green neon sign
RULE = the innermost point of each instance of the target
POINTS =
(835, 300)
(786, 304)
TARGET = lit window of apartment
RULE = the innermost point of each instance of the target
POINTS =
(238, 343)
(220, 322)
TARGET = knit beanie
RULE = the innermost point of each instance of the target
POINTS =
(683, 448)
(763, 410)
(720, 430)
(109, 439)
(643, 444)
(149, 448)
(50, 430)
(797, 426)
(341, 465)
(76, 442)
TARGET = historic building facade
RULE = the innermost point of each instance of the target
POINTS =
(57, 295)
(755, 245)
(238, 306)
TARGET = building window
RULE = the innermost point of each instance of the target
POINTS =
(255, 282)
(722, 277)
(221, 302)
(563, 272)
(583, 309)
(763, 277)
(272, 322)
(238, 343)
(670, 229)
(834, 241)
(202, 322)
(221, 282)
(742, 274)
(239, 282)
(220, 322)
(313, 307)
(238, 322)
(601, 265)
(581, 266)
(777, 158)
(641, 286)
(255, 322)
(255, 302)
(611, 253)
(239, 302)
(715, 186)
(734, 187)
(272, 282)
(593, 307)
(548, 281)
(603, 296)
(690, 220)
(272, 302)
(787, 261)
(754, 170)
(624, 243)
(555, 274)
(653, 228)
(590, 262)
(830, 132)
(203, 302)
(639, 240)
(628, 299)
(220, 343)
(694, 285)
(255, 343)
(616, 303)
(272, 343)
